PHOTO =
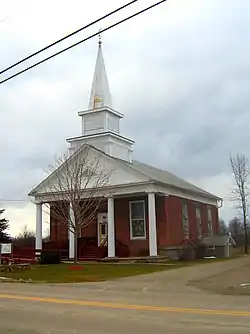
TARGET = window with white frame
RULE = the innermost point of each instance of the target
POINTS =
(209, 220)
(198, 221)
(185, 221)
(137, 219)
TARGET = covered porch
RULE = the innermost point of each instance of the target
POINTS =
(126, 225)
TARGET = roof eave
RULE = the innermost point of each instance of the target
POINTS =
(210, 196)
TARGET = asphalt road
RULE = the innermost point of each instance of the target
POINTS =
(33, 309)
(157, 303)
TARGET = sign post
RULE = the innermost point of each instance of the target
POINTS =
(5, 249)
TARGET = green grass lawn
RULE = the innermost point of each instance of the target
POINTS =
(95, 272)
(69, 273)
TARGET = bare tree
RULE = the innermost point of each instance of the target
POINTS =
(75, 189)
(235, 227)
(25, 237)
(223, 229)
(240, 193)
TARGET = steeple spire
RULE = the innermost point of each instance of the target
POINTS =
(101, 123)
(100, 38)
(100, 94)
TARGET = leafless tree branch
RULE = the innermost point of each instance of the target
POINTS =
(79, 178)
(240, 192)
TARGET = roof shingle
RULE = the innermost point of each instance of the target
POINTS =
(167, 178)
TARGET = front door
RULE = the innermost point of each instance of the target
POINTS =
(102, 225)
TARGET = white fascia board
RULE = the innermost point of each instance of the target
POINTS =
(104, 134)
(125, 189)
(107, 109)
(187, 194)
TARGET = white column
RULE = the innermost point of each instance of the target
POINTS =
(152, 225)
(71, 234)
(39, 228)
(111, 228)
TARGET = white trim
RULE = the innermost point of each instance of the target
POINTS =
(98, 225)
(106, 121)
(187, 194)
(152, 230)
(101, 134)
(125, 189)
(39, 226)
(130, 188)
(130, 221)
(105, 108)
(83, 126)
(71, 235)
(98, 232)
(111, 228)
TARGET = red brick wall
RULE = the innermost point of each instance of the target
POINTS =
(192, 219)
(173, 207)
(90, 230)
(58, 230)
(161, 224)
(174, 220)
(215, 218)
(122, 228)
(204, 219)
(139, 247)
(168, 221)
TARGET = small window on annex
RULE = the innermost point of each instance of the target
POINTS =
(137, 220)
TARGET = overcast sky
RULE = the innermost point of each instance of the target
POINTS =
(180, 72)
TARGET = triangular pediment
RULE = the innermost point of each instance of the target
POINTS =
(119, 173)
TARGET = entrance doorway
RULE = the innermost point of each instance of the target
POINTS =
(102, 226)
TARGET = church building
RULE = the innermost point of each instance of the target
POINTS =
(150, 209)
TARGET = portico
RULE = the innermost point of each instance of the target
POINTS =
(139, 224)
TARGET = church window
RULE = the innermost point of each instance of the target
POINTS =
(137, 219)
(185, 221)
(198, 221)
(210, 222)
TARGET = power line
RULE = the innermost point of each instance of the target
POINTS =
(69, 35)
(84, 40)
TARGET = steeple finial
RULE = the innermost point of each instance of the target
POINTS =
(100, 94)
(100, 37)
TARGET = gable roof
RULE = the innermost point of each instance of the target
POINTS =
(150, 172)
(120, 162)
(218, 240)
(167, 178)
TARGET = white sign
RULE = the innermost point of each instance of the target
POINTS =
(6, 248)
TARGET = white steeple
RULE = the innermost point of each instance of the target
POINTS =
(101, 123)
(100, 94)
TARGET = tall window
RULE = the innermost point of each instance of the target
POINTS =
(210, 222)
(198, 221)
(137, 220)
(185, 222)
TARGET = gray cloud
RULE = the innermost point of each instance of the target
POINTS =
(181, 81)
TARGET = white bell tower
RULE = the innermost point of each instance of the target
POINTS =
(101, 123)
